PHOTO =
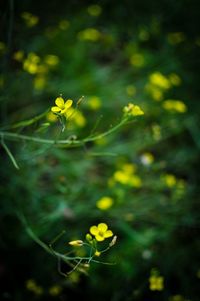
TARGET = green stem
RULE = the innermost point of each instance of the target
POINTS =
(63, 142)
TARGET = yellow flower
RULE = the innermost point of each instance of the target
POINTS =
(104, 203)
(159, 80)
(156, 283)
(101, 232)
(147, 158)
(133, 110)
(61, 106)
(170, 180)
(76, 243)
(174, 106)
(89, 34)
(97, 253)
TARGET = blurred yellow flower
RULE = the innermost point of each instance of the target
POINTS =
(126, 176)
(156, 283)
(101, 232)
(39, 82)
(175, 79)
(155, 92)
(147, 158)
(170, 180)
(55, 290)
(94, 102)
(61, 106)
(174, 106)
(29, 19)
(18, 55)
(51, 117)
(31, 63)
(33, 287)
(137, 60)
(89, 34)
(94, 10)
(51, 60)
(133, 110)
(104, 203)
(76, 117)
(159, 80)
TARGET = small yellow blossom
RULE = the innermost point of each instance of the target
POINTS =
(104, 203)
(76, 243)
(101, 232)
(55, 290)
(133, 110)
(97, 253)
(61, 106)
(174, 106)
(156, 283)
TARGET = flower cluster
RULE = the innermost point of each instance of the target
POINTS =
(133, 110)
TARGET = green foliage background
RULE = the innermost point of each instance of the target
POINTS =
(157, 222)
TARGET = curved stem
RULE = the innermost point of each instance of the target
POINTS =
(61, 142)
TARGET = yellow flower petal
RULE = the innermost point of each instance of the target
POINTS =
(55, 109)
(108, 233)
(102, 227)
(60, 102)
(68, 104)
(94, 230)
(99, 237)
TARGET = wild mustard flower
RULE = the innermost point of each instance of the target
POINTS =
(156, 283)
(61, 106)
(104, 203)
(101, 232)
(133, 110)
